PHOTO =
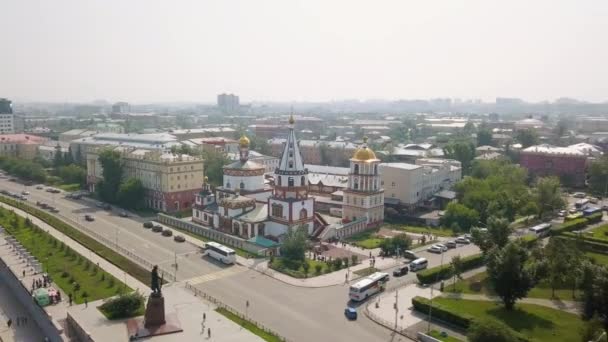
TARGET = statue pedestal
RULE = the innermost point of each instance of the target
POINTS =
(155, 311)
(154, 322)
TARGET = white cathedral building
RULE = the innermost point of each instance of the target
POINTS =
(245, 206)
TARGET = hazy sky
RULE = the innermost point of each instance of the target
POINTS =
(285, 50)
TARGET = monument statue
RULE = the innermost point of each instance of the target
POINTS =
(156, 282)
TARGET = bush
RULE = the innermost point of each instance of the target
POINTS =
(483, 330)
(354, 259)
(434, 274)
(422, 305)
(577, 224)
(148, 224)
(123, 306)
(318, 268)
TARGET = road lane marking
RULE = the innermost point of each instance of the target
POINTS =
(216, 275)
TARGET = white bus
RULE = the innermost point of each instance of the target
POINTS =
(368, 286)
(220, 252)
(542, 229)
(418, 264)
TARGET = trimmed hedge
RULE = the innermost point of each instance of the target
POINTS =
(584, 237)
(98, 248)
(440, 312)
(588, 245)
(577, 224)
(437, 273)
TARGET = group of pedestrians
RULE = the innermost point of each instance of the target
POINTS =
(203, 326)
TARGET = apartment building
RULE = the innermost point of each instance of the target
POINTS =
(171, 181)
(23, 146)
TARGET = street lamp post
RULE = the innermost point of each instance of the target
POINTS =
(396, 307)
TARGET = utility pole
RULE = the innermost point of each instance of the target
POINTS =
(175, 271)
(396, 307)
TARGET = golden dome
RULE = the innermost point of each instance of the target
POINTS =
(291, 120)
(364, 154)
(244, 141)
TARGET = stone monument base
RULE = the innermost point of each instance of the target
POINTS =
(154, 322)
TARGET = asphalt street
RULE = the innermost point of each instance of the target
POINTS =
(299, 314)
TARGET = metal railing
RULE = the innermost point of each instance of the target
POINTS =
(220, 304)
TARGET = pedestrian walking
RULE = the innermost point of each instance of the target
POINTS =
(9, 322)
(86, 302)
(24, 273)
(208, 332)
(70, 299)
(204, 316)
(203, 327)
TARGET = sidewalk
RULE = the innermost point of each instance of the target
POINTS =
(562, 305)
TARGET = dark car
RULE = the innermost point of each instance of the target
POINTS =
(403, 270)
(179, 238)
(123, 214)
(107, 207)
(157, 229)
(350, 313)
(167, 232)
(148, 224)
(89, 218)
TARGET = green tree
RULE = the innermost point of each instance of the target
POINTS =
(399, 243)
(527, 137)
(461, 215)
(508, 273)
(294, 246)
(68, 157)
(306, 267)
(598, 176)
(58, 157)
(484, 137)
(463, 152)
(457, 269)
(485, 330)
(497, 234)
(112, 175)
(556, 259)
(548, 195)
(131, 193)
(595, 290)
(214, 164)
(73, 174)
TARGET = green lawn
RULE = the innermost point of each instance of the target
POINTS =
(69, 187)
(535, 322)
(436, 334)
(421, 230)
(367, 239)
(479, 284)
(279, 265)
(599, 258)
(63, 264)
(258, 331)
(601, 232)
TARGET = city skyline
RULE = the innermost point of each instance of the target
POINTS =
(303, 51)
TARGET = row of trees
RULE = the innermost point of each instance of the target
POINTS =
(128, 193)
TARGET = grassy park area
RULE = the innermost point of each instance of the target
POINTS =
(533, 321)
(256, 330)
(601, 259)
(446, 232)
(601, 232)
(436, 334)
(366, 239)
(69, 270)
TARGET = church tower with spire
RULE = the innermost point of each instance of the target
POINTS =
(364, 196)
(289, 206)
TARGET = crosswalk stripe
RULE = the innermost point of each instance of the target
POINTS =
(215, 275)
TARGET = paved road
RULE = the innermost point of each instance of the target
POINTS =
(300, 314)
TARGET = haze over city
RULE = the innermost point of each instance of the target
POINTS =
(148, 51)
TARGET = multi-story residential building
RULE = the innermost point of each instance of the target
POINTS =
(568, 163)
(155, 141)
(74, 134)
(171, 181)
(590, 124)
(121, 108)
(7, 119)
(410, 184)
(23, 146)
(268, 131)
(409, 153)
(228, 103)
(50, 148)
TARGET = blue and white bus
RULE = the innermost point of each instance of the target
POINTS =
(541, 230)
(591, 210)
(220, 252)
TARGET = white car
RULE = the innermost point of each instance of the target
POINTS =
(435, 249)
(561, 213)
(442, 246)
(25, 192)
(462, 240)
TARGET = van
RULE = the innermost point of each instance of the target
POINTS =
(418, 264)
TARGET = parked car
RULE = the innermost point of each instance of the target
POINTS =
(39, 187)
(55, 210)
(399, 271)
(593, 200)
(25, 192)
(167, 232)
(442, 246)
(435, 249)
(462, 240)
(106, 206)
(179, 238)
(148, 224)
(605, 207)
(573, 210)
(409, 255)
(579, 195)
(50, 208)
(89, 218)
(350, 313)
(561, 213)
(123, 214)
(451, 244)
(23, 198)
(157, 229)
(12, 179)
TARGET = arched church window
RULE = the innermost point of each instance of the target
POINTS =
(242, 185)
(303, 181)
(279, 181)
(290, 181)
(356, 169)
(228, 184)
(303, 214)
(376, 169)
